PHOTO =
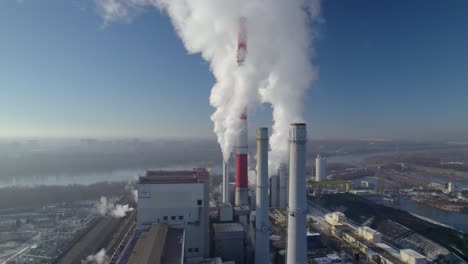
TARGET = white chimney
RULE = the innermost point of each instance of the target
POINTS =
(274, 194)
(320, 168)
(226, 181)
(262, 227)
(297, 232)
(283, 186)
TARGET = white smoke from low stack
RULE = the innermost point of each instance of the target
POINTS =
(135, 195)
(277, 69)
(99, 258)
(131, 187)
(105, 207)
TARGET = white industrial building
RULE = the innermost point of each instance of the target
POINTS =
(180, 200)
(370, 234)
(320, 168)
(335, 218)
(225, 213)
(410, 256)
(370, 242)
(451, 187)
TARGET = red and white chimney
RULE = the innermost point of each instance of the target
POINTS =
(242, 191)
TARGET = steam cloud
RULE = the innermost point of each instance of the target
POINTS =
(131, 188)
(104, 207)
(277, 70)
(135, 195)
(99, 258)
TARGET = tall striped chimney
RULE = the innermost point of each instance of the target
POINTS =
(242, 190)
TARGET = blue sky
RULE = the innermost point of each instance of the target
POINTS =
(388, 69)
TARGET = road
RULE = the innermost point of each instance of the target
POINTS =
(17, 254)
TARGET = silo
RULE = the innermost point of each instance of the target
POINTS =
(320, 168)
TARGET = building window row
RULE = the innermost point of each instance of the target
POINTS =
(193, 250)
(173, 218)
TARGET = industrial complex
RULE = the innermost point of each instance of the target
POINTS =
(283, 216)
(179, 217)
(177, 222)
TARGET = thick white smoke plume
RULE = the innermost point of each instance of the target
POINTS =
(277, 69)
(105, 207)
(99, 258)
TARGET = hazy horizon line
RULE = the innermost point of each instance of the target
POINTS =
(213, 138)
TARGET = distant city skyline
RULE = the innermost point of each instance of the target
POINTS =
(387, 69)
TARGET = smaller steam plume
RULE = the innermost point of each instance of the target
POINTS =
(104, 207)
(98, 258)
(135, 195)
(131, 188)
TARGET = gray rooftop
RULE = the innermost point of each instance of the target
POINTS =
(228, 227)
(161, 176)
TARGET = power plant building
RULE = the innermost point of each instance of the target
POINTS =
(229, 241)
(160, 244)
(178, 199)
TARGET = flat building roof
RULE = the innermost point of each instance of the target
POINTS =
(150, 245)
(159, 245)
(413, 253)
(228, 227)
(196, 175)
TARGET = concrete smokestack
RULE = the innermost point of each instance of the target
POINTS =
(226, 181)
(232, 192)
(320, 168)
(283, 186)
(262, 233)
(297, 236)
(274, 191)
(242, 191)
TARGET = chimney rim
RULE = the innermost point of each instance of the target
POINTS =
(298, 124)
